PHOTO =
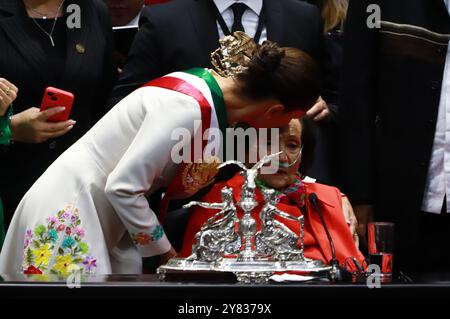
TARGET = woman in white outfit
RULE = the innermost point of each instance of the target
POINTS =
(88, 212)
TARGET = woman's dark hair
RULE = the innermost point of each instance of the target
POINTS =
(288, 74)
(308, 138)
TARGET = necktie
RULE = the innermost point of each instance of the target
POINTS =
(238, 11)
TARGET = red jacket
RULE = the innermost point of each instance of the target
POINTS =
(316, 243)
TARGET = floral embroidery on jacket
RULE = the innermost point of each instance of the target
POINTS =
(296, 192)
(58, 247)
(143, 239)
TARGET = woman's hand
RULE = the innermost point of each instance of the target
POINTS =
(165, 257)
(351, 219)
(365, 214)
(31, 126)
(8, 93)
(319, 111)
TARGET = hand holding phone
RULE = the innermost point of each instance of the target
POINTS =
(54, 97)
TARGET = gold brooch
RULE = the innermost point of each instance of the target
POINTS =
(198, 175)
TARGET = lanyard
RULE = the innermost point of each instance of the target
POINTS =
(226, 31)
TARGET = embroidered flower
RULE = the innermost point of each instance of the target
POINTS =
(84, 248)
(157, 233)
(52, 220)
(73, 268)
(90, 263)
(32, 271)
(62, 263)
(42, 255)
(52, 235)
(68, 242)
(296, 192)
(78, 231)
(66, 214)
(40, 230)
(142, 238)
(28, 237)
(29, 234)
(43, 247)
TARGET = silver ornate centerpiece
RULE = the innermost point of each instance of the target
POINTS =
(226, 243)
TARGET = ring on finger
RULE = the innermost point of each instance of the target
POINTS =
(5, 91)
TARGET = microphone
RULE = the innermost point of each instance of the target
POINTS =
(337, 273)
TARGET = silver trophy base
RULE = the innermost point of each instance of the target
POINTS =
(247, 272)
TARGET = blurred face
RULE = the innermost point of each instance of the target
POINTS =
(123, 11)
(291, 145)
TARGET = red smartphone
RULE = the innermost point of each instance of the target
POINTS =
(54, 97)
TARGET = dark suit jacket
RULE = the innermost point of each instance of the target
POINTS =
(183, 33)
(88, 75)
(392, 80)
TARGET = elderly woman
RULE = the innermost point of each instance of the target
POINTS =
(292, 193)
(89, 210)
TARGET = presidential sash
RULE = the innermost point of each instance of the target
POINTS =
(200, 172)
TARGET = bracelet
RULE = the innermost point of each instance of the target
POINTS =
(11, 140)
(5, 122)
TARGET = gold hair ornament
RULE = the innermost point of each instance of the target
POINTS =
(233, 55)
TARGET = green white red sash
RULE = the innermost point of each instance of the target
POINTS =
(191, 177)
